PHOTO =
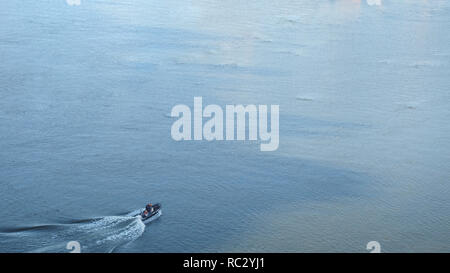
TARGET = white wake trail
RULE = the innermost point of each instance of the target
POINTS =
(103, 234)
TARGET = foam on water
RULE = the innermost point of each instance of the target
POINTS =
(103, 234)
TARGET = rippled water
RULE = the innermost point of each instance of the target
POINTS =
(363, 89)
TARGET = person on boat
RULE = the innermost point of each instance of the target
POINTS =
(149, 208)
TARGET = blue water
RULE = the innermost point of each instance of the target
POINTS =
(85, 93)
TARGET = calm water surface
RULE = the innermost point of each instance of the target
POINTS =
(85, 93)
